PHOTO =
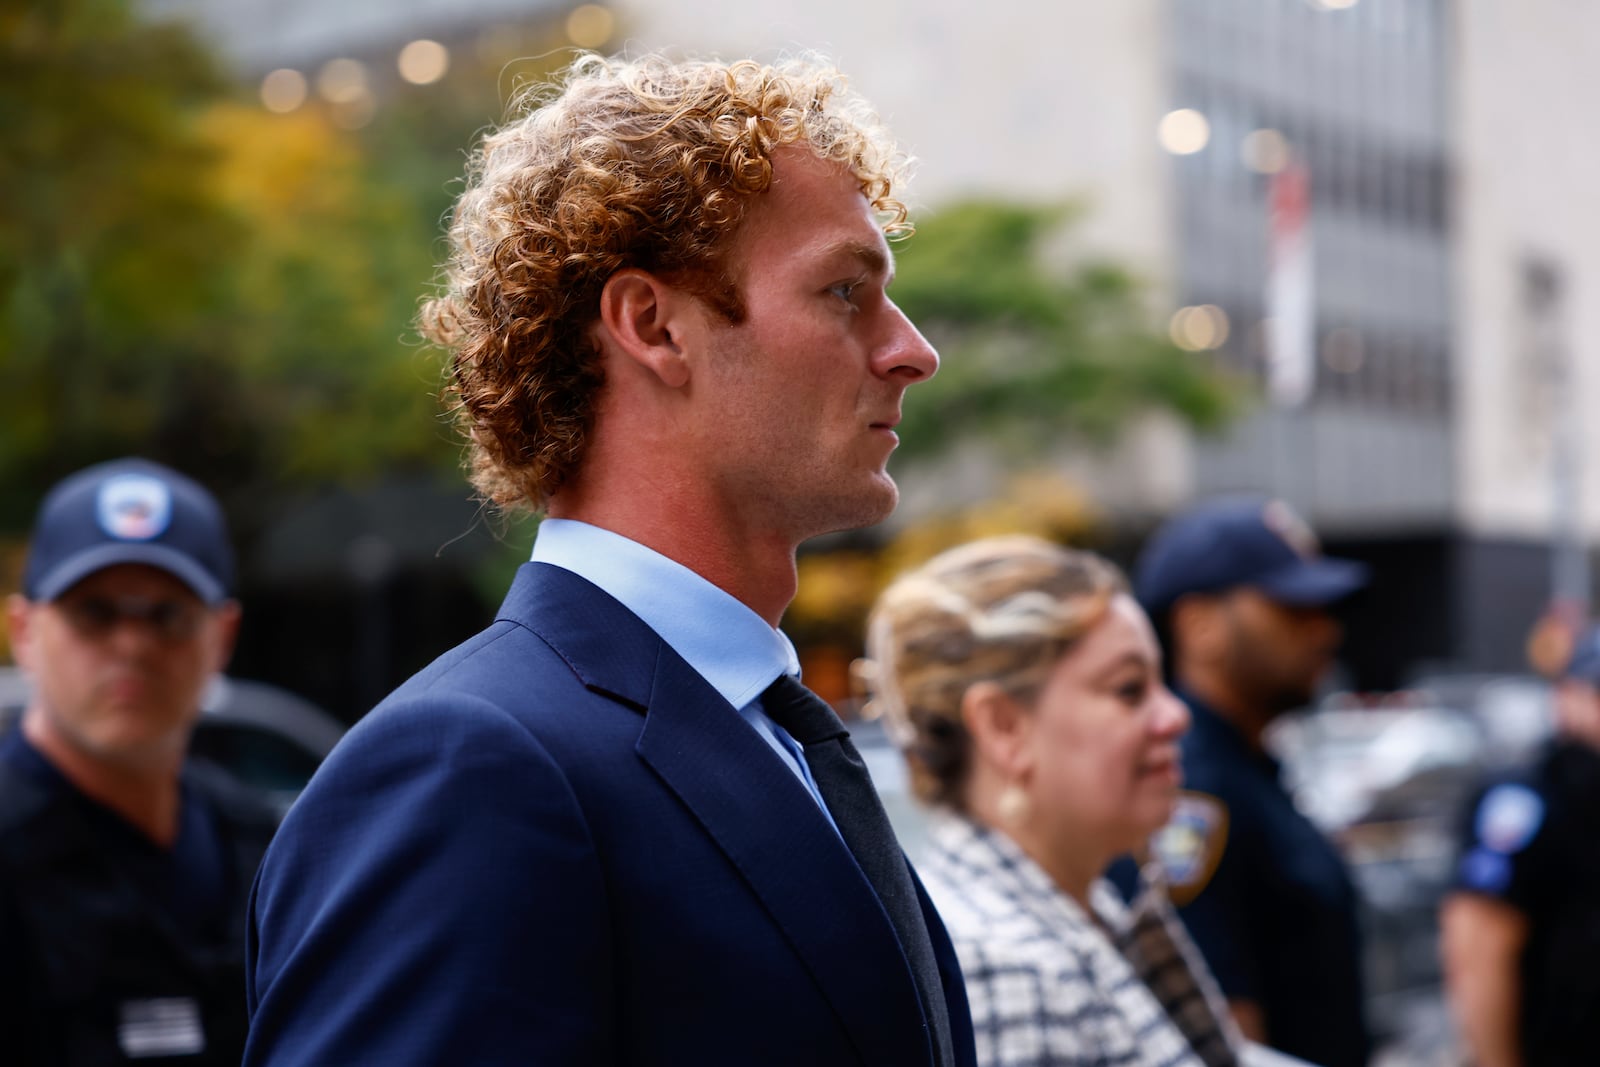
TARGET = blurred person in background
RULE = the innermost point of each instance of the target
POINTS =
(1240, 591)
(614, 827)
(1024, 686)
(124, 867)
(1520, 930)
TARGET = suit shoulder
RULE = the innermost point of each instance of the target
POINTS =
(495, 694)
(506, 667)
(504, 647)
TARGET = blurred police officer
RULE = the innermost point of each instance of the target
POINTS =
(1240, 590)
(123, 871)
(1521, 929)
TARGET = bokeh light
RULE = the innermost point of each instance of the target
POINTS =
(423, 62)
(1199, 327)
(1265, 151)
(590, 26)
(283, 90)
(342, 81)
(1183, 132)
(1343, 350)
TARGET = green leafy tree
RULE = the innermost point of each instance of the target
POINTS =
(322, 298)
(1031, 351)
(187, 276)
(109, 237)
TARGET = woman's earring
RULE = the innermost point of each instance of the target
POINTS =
(1012, 804)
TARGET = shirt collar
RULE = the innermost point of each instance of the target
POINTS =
(726, 643)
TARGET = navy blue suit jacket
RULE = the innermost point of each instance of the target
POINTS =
(559, 845)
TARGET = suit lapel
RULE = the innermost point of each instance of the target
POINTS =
(607, 646)
(752, 806)
(768, 825)
(955, 986)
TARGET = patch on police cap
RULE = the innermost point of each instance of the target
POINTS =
(1508, 817)
(1291, 529)
(134, 507)
(1485, 871)
(1190, 845)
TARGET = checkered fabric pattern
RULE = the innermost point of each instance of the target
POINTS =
(1048, 985)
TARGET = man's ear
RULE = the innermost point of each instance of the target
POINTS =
(1000, 729)
(1196, 622)
(19, 617)
(641, 317)
(225, 617)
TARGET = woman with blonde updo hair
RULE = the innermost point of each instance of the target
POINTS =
(1023, 683)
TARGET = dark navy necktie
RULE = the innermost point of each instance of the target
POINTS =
(846, 787)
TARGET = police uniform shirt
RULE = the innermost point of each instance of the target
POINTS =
(1265, 896)
(1533, 841)
(112, 949)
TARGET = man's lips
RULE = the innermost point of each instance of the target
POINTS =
(128, 688)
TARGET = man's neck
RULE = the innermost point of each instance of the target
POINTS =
(1213, 690)
(757, 569)
(145, 794)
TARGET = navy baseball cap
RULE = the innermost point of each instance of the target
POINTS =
(1229, 542)
(1585, 662)
(128, 511)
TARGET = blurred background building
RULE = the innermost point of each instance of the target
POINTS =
(1454, 253)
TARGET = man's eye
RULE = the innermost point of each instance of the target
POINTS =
(96, 613)
(845, 291)
(167, 616)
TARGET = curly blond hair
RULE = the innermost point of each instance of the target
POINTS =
(644, 163)
(1004, 610)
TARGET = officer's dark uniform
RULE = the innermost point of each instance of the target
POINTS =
(1265, 896)
(112, 950)
(1533, 841)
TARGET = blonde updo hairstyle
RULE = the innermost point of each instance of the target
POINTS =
(1002, 610)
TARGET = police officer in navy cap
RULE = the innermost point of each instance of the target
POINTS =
(1240, 592)
(1520, 931)
(124, 868)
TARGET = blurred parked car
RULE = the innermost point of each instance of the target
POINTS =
(1388, 784)
(265, 736)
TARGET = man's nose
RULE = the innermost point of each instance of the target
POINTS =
(905, 355)
(133, 634)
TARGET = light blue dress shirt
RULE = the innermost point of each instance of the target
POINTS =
(726, 643)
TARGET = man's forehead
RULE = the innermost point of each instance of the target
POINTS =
(803, 180)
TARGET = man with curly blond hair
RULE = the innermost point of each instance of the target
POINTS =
(612, 828)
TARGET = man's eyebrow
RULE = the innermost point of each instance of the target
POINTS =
(873, 258)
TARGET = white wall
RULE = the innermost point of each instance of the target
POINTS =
(1528, 178)
(1007, 97)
